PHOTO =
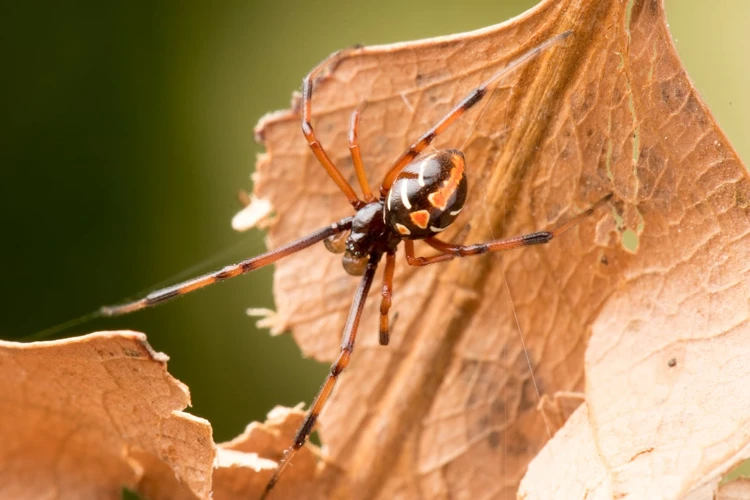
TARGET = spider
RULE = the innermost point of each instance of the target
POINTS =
(419, 197)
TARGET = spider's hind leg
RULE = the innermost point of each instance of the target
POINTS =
(387, 294)
(347, 347)
(450, 251)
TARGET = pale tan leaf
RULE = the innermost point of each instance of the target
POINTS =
(569, 466)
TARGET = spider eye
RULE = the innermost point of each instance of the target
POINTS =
(354, 265)
(336, 243)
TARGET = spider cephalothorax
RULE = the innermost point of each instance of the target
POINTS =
(369, 235)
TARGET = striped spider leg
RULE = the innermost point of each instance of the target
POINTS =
(245, 266)
(449, 251)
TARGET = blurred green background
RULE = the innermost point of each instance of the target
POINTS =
(126, 132)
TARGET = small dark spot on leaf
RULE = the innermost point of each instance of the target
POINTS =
(604, 260)
(483, 422)
(653, 7)
(664, 93)
(672, 363)
(529, 397)
(679, 92)
(478, 427)
(493, 439)
(499, 408)
(516, 444)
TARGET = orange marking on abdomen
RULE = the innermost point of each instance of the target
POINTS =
(439, 199)
(402, 229)
(420, 218)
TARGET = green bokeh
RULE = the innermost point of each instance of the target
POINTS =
(126, 131)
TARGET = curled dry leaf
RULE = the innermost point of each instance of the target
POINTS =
(242, 472)
(88, 416)
(656, 334)
(85, 417)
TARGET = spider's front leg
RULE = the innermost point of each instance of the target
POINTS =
(245, 266)
(347, 347)
(312, 140)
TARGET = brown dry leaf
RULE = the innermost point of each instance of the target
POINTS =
(85, 417)
(88, 416)
(449, 409)
(656, 337)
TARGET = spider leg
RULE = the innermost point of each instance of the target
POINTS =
(357, 157)
(413, 260)
(450, 251)
(466, 103)
(309, 132)
(347, 347)
(387, 293)
(227, 272)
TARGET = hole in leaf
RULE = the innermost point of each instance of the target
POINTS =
(741, 471)
(630, 240)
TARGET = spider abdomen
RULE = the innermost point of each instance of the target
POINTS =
(427, 195)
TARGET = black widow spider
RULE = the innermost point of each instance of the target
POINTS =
(418, 198)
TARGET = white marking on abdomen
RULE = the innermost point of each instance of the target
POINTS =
(437, 229)
(420, 179)
(404, 195)
(455, 212)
